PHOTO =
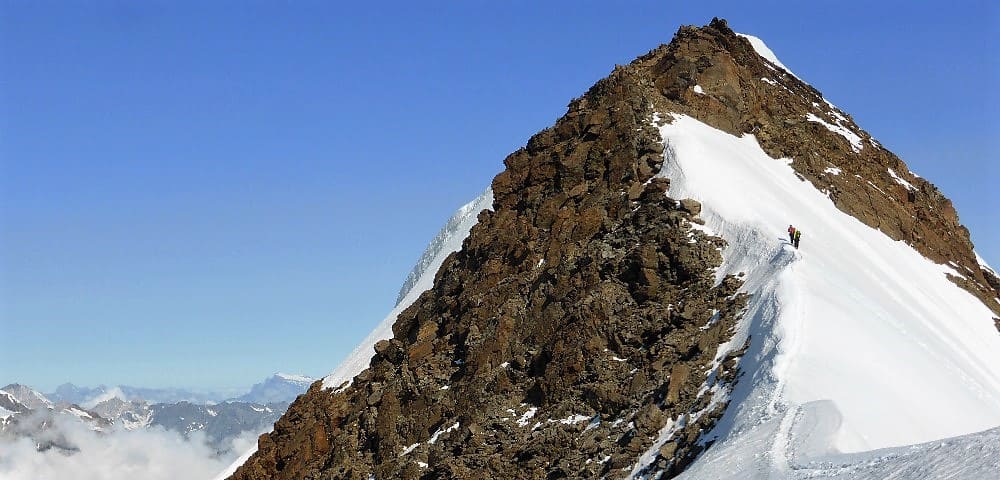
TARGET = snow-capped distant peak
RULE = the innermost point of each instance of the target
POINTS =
(295, 378)
(761, 48)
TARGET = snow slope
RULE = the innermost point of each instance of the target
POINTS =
(762, 49)
(442, 246)
(855, 334)
(421, 279)
(448, 239)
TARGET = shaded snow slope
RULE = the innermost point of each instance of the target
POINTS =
(457, 228)
(762, 49)
(280, 387)
(421, 278)
(867, 327)
(796, 448)
(442, 246)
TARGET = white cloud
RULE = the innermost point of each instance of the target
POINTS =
(108, 395)
(149, 454)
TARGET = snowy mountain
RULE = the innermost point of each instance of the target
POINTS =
(27, 396)
(280, 387)
(624, 302)
(24, 412)
(129, 414)
(9, 406)
(10, 403)
(449, 239)
(70, 393)
(220, 422)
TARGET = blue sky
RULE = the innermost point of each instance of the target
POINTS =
(199, 196)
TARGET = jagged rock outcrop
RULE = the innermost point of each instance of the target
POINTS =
(582, 318)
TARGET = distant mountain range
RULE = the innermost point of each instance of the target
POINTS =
(280, 387)
(25, 412)
(71, 393)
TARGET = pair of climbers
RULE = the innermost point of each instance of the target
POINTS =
(794, 235)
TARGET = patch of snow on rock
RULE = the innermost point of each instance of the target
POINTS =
(850, 136)
(523, 421)
(440, 432)
(762, 49)
(899, 180)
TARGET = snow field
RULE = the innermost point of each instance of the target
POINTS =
(898, 354)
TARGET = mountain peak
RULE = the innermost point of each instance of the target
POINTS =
(622, 307)
(735, 83)
(28, 396)
(720, 24)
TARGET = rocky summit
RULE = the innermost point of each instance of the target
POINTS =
(582, 319)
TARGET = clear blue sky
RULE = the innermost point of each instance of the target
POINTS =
(200, 195)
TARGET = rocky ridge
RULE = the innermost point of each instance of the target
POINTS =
(581, 320)
(580, 315)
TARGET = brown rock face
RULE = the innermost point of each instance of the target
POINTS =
(557, 343)
(581, 316)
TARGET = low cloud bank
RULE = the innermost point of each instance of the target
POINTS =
(108, 395)
(149, 454)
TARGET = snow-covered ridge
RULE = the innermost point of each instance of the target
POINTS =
(984, 265)
(865, 325)
(839, 129)
(444, 245)
(444, 240)
(900, 180)
(762, 49)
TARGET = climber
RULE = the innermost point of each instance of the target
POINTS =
(791, 234)
(798, 235)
